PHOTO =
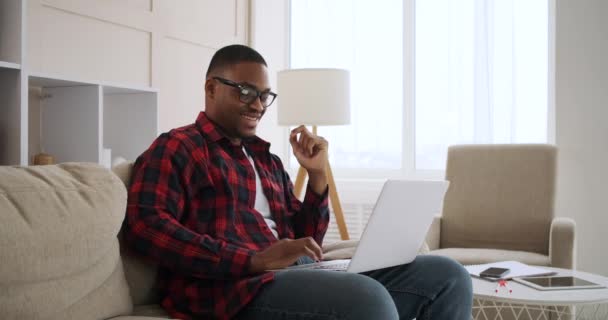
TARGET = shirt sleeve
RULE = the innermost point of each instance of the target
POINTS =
(155, 203)
(310, 218)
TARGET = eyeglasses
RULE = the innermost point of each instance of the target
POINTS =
(248, 94)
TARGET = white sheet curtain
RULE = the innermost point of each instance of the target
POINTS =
(481, 74)
(365, 38)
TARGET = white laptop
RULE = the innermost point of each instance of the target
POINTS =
(396, 229)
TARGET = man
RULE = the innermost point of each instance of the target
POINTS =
(209, 203)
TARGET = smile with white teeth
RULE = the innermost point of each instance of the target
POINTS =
(250, 117)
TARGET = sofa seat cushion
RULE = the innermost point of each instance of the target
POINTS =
(140, 273)
(146, 312)
(138, 318)
(58, 233)
(150, 310)
(468, 256)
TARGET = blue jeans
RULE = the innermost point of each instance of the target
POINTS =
(431, 287)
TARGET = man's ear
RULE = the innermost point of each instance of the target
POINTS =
(210, 88)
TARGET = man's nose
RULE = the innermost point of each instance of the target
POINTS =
(257, 104)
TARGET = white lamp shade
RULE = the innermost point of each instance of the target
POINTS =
(313, 97)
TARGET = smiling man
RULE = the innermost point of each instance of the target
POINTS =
(216, 210)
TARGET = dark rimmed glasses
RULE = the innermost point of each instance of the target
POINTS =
(248, 94)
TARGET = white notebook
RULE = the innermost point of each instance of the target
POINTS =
(516, 269)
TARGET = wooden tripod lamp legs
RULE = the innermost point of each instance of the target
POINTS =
(333, 198)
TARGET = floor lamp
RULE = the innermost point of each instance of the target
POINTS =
(316, 97)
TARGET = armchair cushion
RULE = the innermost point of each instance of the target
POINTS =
(500, 197)
(468, 256)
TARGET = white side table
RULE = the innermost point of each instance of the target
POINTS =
(524, 302)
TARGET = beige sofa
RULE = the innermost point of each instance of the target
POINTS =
(59, 252)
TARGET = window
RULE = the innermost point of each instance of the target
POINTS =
(480, 76)
(365, 38)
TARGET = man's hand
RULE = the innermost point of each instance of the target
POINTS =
(284, 253)
(311, 152)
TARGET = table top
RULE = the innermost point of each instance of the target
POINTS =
(519, 293)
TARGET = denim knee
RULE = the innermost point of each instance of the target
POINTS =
(459, 280)
(369, 299)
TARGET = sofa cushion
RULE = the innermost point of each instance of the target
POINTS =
(137, 318)
(141, 277)
(140, 273)
(150, 310)
(58, 234)
(468, 256)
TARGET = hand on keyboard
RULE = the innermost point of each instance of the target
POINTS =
(284, 253)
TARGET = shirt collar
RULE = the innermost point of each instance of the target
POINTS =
(211, 130)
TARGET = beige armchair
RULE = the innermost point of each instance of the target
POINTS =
(499, 206)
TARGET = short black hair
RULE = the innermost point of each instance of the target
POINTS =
(233, 54)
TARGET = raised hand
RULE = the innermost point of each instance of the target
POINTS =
(311, 152)
(309, 149)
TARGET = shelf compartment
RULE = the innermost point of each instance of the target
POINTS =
(129, 121)
(10, 121)
(70, 123)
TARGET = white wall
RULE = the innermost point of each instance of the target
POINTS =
(270, 36)
(582, 125)
(157, 43)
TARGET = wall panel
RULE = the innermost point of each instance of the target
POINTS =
(182, 77)
(159, 43)
(84, 48)
(222, 20)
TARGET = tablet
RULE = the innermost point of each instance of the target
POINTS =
(558, 283)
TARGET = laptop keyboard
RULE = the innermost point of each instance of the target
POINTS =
(333, 266)
(338, 265)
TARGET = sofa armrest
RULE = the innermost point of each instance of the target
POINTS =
(562, 243)
(433, 236)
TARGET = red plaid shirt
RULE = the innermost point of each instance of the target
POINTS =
(191, 209)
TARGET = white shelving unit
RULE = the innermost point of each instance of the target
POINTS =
(12, 22)
(74, 119)
(10, 116)
(12, 18)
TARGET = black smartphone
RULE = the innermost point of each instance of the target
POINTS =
(494, 273)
